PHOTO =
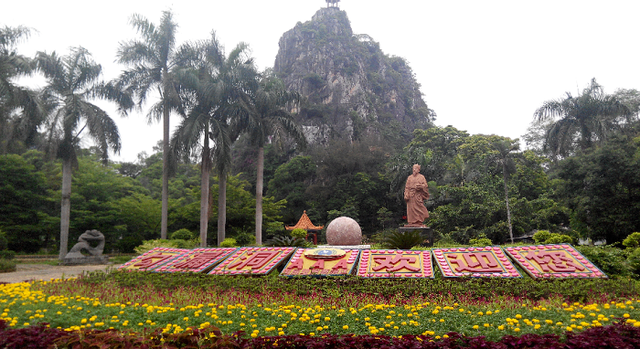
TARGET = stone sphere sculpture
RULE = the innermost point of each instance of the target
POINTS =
(344, 231)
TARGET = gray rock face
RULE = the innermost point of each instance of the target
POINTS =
(353, 88)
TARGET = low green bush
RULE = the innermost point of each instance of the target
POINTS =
(7, 266)
(299, 233)
(7, 254)
(404, 240)
(245, 238)
(480, 241)
(183, 234)
(611, 260)
(288, 241)
(148, 245)
(229, 242)
(541, 236)
(547, 237)
(438, 289)
(559, 239)
(632, 241)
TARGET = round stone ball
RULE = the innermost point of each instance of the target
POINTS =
(344, 231)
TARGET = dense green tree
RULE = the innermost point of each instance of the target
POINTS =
(589, 118)
(350, 179)
(151, 62)
(20, 115)
(72, 81)
(602, 189)
(269, 118)
(23, 204)
(290, 182)
(95, 203)
(222, 90)
(503, 158)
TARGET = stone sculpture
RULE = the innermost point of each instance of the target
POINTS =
(344, 231)
(415, 192)
(75, 255)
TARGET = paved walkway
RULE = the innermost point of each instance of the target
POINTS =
(29, 272)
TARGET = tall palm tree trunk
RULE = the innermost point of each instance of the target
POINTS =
(222, 206)
(259, 186)
(506, 199)
(65, 211)
(204, 192)
(165, 173)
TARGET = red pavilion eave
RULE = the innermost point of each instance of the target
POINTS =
(305, 223)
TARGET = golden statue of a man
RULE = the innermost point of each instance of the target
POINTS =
(415, 192)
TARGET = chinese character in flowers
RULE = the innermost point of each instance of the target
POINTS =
(198, 260)
(146, 262)
(554, 261)
(391, 263)
(254, 260)
(475, 262)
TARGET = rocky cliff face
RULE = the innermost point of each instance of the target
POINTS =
(353, 88)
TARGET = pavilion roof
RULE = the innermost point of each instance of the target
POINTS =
(304, 223)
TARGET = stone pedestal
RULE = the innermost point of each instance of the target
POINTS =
(85, 260)
(425, 232)
(347, 247)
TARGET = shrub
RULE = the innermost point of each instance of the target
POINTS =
(148, 245)
(299, 233)
(7, 254)
(4, 243)
(632, 241)
(546, 237)
(7, 266)
(188, 244)
(183, 234)
(229, 242)
(634, 261)
(404, 240)
(541, 236)
(287, 241)
(559, 239)
(480, 242)
(611, 260)
(245, 238)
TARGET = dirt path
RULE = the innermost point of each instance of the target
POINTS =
(28, 272)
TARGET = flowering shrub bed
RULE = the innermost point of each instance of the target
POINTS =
(141, 307)
(22, 306)
(617, 336)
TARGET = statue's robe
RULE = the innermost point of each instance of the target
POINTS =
(415, 192)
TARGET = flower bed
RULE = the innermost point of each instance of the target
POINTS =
(263, 308)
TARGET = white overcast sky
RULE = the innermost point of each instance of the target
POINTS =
(484, 66)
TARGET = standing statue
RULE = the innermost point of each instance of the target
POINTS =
(415, 192)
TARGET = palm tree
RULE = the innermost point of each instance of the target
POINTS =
(219, 89)
(71, 81)
(13, 97)
(151, 61)
(504, 149)
(269, 118)
(590, 117)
